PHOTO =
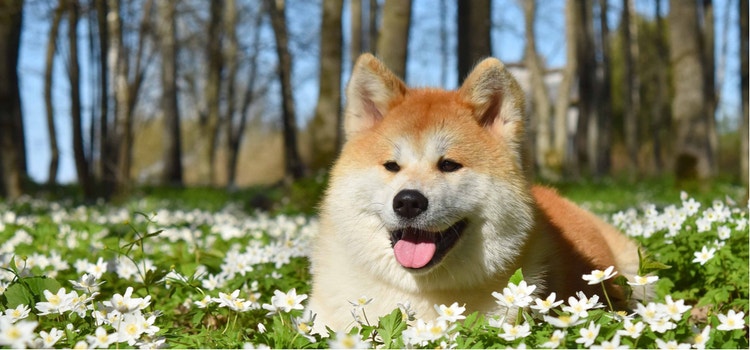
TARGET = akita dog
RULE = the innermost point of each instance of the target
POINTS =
(429, 203)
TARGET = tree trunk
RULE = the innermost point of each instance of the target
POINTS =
(212, 90)
(631, 87)
(172, 174)
(355, 31)
(585, 52)
(372, 28)
(325, 125)
(692, 147)
(82, 166)
(541, 109)
(393, 38)
(744, 125)
(49, 63)
(708, 43)
(561, 156)
(105, 140)
(11, 18)
(293, 168)
(231, 52)
(474, 27)
(236, 132)
(660, 111)
(603, 140)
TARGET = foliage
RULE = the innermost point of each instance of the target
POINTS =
(196, 274)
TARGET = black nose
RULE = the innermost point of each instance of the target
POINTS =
(409, 203)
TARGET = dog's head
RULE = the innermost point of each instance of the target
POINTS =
(430, 183)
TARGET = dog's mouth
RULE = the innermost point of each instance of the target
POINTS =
(419, 249)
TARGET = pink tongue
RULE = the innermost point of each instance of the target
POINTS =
(414, 253)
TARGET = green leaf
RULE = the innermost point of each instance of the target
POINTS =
(516, 278)
(29, 290)
(390, 328)
(646, 264)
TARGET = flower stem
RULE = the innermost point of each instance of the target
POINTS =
(606, 295)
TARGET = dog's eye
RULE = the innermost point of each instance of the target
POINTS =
(447, 166)
(392, 166)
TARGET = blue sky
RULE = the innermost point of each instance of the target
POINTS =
(423, 67)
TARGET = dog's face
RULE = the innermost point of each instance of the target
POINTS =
(429, 189)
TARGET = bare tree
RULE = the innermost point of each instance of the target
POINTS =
(105, 141)
(660, 111)
(562, 103)
(49, 63)
(474, 27)
(355, 29)
(631, 83)
(212, 89)
(236, 130)
(693, 153)
(82, 164)
(11, 167)
(744, 125)
(541, 108)
(293, 168)
(127, 81)
(393, 38)
(172, 174)
(325, 125)
(603, 140)
(586, 55)
(708, 43)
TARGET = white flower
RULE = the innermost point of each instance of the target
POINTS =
(56, 303)
(543, 306)
(101, 339)
(515, 295)
(285, 302)
(232, 301)
(18, 313)
(304, 324)
(451, 313)
(87, 283)
(407, 313)
(724, 232)
(361, 302)
(588, 334)
(643, 280)
(126, 304)
(554, 341)
(348, 341)
(614, 343)
(632, 330)
(513, 332)
(599, 276)
(563, 321)
(700, 340)
(97, 269)
(130, 328)
(49, 339)
(662, 325)
(731, 321)
(17, 335)
(582, 305)
(675, 309)
(672, 344)
(425, 332)
(203, 303)
(704, 255)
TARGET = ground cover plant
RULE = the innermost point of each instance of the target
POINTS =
(160, 273)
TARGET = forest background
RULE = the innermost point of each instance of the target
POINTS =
(112, 94)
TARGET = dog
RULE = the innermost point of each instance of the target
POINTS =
(429, 203)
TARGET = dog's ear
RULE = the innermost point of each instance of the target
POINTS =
(370, 93)
(497, 100)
